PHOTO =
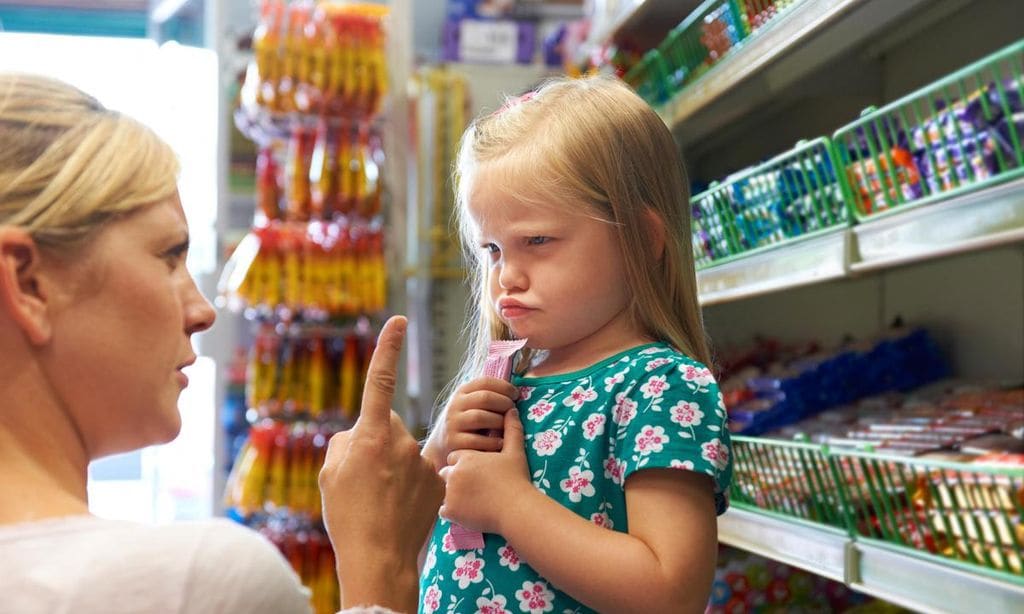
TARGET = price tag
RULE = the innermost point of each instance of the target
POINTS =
(488, 41)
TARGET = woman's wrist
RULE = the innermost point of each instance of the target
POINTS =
(380, 579)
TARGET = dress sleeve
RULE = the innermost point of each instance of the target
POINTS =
(671, 416)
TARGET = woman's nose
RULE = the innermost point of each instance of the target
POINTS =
(199, 313)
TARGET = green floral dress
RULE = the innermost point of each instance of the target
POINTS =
(586, 433)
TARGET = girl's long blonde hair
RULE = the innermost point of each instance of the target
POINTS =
(68, 164)
(591, 141)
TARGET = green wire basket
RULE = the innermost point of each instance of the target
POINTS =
(959, 514)
(649, 78)
(701, 40)
(789, 479)
(961, 133)
(793, 196)
(969, 514)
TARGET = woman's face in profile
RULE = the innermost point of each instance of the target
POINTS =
(121, 334)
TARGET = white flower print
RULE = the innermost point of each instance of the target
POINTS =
(535, 598)
(593, 426)
(525, 392)
(686, 413)
(651, 439)
(491, 606)
(678, 464)
(468, 570)
(546, 443)
(579, 484)
(431, 599)
(624, 410)
(716, 452)
(448, 543)
(618, 378)
(509, 558)
(698, 375)
(602, 519)
(656, 350)
(538, 410)
(657, 362)
(721, 411)
(579, 396)
(654, 387)
(614, 469)
(431, 560)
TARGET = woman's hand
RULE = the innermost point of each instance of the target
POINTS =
(380, 496)
(473, 419)
(481, 487)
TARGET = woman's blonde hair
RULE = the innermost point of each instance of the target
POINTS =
(68, 164)
(590, 141)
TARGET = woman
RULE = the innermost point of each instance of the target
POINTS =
(96, 314)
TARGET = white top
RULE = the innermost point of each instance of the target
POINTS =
(84, 564)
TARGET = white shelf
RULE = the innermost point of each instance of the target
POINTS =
(926, 586)
(966, 223)
(815, 260)
(797, 42)
(901, 578)
(818, 550)
(970, 222)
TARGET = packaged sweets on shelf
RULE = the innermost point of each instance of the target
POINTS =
(805, 381)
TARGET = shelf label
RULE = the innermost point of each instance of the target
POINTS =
(488, 41)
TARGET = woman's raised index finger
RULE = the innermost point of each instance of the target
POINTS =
(382, 374)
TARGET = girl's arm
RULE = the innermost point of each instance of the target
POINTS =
(664, 564)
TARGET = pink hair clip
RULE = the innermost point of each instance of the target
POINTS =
(516, 101)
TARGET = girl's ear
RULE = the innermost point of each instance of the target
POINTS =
(22, 296)
(655, 227)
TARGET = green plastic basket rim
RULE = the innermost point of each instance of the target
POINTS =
(936, 85)
(796, 150)
(1013, 472)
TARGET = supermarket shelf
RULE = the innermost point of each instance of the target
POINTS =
(815, 549)
(807, 262)
(970, 222)
(639, 23)
(797, 42)
(927, 586)
(901, 578)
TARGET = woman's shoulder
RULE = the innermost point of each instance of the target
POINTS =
(202, 566)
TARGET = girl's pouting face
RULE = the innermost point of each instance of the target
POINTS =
(555, 276)
(121, 333)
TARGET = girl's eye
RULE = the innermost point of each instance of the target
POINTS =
(537, 240)
(491, 248)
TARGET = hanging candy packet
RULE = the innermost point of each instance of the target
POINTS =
(500, 357)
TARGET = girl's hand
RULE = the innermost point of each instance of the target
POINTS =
(473, 419)
(481, 487)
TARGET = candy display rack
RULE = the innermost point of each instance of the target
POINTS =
(310, 276)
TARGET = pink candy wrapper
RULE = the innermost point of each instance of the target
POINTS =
(500, 355)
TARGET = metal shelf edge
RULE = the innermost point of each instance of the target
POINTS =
(820, 551)
(929, 586)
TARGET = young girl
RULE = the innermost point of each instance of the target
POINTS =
(615, 458)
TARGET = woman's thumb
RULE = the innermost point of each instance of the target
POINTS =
(513, 435)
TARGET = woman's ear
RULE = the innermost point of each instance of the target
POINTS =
(22, 295)
(655, 227)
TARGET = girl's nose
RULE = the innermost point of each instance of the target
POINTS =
(512, 276)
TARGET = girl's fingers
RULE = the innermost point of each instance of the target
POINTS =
(491, 384)
(473, 441)
(477, 419)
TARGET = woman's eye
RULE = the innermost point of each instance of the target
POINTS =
(537, 240)
(175, 256)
